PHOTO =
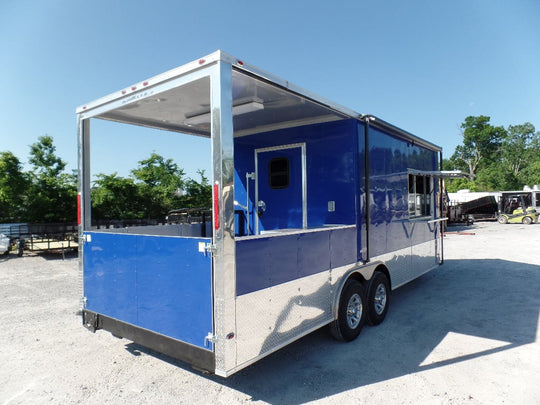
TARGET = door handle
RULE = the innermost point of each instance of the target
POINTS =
(261, 208)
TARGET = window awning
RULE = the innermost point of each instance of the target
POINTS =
(443, 174)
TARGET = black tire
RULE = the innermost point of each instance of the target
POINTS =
(378, 298)
(20, 245)
(503, 219)
(527, 220)
(351, 312)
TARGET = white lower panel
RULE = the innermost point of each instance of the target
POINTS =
(269, 319)
(409, 263)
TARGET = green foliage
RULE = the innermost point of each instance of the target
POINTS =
(48, 194)
(198, 195)
(45, 194)
(44, 159)
(515, 145)
(51, 193)
(13, 188)
(158, 185)
(115, 197)
(495, 157)
(160, 182)
(460, 184)
(481, 142)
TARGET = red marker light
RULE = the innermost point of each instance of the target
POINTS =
(79, 209)
(201, 61)
(123, 92)
(216, 205)
(240, 63)
(145, 84)
(133, 88)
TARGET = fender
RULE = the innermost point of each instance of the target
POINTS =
(364, 273)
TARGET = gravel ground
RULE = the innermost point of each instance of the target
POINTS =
(466, 333)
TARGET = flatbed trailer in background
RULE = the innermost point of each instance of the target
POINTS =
(48, 237)
(318, 212)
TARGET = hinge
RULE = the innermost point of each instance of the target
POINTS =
(210, 338)
(207, 248)
(210, 248)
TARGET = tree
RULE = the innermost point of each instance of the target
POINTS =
(481, 142)
(116, 197)
(161, 182)
(198, 195)
(530, 174)
(52, 193)
(14, 185)
(43, 158)
(515, 144)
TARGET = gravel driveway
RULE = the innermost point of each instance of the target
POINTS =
(467, 332)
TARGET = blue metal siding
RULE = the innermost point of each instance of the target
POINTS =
(268, 261)
(390, 157)
(163, 284)
(331, 168)
(335, 172)
(110, 283)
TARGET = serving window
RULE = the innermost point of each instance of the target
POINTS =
(420, 193)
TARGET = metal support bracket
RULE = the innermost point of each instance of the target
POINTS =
(210, 248)
(207, 248)
(210, 338)
(91, 321)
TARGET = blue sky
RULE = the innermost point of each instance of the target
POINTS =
(421, 65)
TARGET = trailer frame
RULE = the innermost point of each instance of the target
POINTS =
(241, 106)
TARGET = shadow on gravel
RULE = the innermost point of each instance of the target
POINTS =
(464, 310)
(480, 306)
(70, 254)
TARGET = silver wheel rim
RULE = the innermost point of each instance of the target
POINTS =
(354, 311)
(379, 300)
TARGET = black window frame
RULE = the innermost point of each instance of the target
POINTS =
(420, 204)
(276, 175)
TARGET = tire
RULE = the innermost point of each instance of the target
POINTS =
(351, 312)
(527, 220)
(378, 298)
(503, 219)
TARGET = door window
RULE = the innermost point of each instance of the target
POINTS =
(278, 173)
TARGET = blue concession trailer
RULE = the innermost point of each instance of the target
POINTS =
(318, 213)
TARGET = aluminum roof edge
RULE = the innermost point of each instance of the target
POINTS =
(202, 63)
(240, 65)
(378, 122)
(148, 83)
(220, 56)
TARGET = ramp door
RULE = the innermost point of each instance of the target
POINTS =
(163, 284)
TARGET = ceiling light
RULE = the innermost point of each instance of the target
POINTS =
(239, 109)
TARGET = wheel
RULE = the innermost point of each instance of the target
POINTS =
(503, 219)
(527, 220)
(378, 298)
(351, 312)
(20, 245)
